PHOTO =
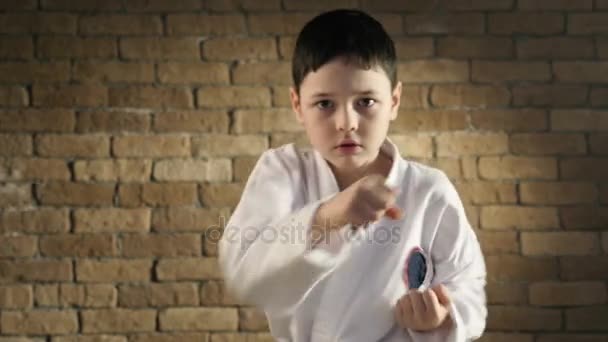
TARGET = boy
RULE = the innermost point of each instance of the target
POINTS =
(348, 241)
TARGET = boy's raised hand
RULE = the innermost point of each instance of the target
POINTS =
(423, 310)
(366, 200)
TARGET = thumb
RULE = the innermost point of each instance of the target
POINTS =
(394, 213)
(442, 294)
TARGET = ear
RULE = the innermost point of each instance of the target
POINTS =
(396, 101)
(296, 106)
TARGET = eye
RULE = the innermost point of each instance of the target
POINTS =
(366, 102)
(324, 104)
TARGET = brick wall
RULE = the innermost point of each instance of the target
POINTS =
(128, 127)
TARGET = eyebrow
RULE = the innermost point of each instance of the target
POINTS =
(322, 94)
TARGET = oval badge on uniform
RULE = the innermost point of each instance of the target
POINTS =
(416, 269)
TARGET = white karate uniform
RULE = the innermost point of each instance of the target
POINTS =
(346, 289)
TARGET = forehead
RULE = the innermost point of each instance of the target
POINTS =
(340, 76)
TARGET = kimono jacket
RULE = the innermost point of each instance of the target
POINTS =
(346, 287)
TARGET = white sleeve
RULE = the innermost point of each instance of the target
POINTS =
(459, 265)
(265, 252)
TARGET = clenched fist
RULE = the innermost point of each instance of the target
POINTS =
(423, 310)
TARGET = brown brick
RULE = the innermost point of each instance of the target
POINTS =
(476, 5)
(587, 72)
(37, 221)
(86, 5)
(46, 295)
(587, 23)
(514, 267)
(162, 5)
(284, 23)
(598, 143)
(38, 22)
(489, 71)
(69, 95)
(18, 246)
(299, 139)
(579, 120)
(64, 145)
(555, 48)
(194, 73)
(510, 120)
(118, 320)
(605, 242)
(151, 97)
(561, 193)
(221, 195)
(90, 338)
(590, 318)
(110, 121)
(15, 145)
(158, 295)
(471, 144)
(439, 70)
(548, 144)
(479, 192)
(281, 98)
(188, 219)
(318, 5)
(535, 5)
(35, 270)
(211, 145)
(151, 146)
(168, 194)
(507, 292)
(469, 96)
(66, 47)
(229, 49)
(207, 25)
(567, 294)
(513, 167)
(586, 267)
(263, 121)
(33, 120)
(201, 121)
(583, 217)
(560, 243)
(242, 166)
(505, 337)
(584, 169)
(521, 318)
(571, 338)
(13, 96)
(526, 23)
(424, 120)
(86, 71)
(469, 168)
(598, 97)
(215, 293)
(39, 322)
(161, 245)
(111, 220)
(453, 23)
(414, 145)
(113, 270)
(88, 296)
(601, 4)
(113, 170)
(213, 170)
(39, 169)
(474, 47)
(601, 45)
(79, 245)
(252, 319)
(160, 48)
(542, 95)
(119, 24)
(498, 242)
(18, 5)
(16, 297)
(234, 96)
(188, 269)
(288, 43)
(208, 319)
(410, 6)
(411, 48)
(15, 195)
(262, 73)
(18, 47)
(35, 72)
(77, 194)
(524, 218)
(170, 336)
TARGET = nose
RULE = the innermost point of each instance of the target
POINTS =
(347, 119)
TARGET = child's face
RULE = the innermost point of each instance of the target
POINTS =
(344, 101)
